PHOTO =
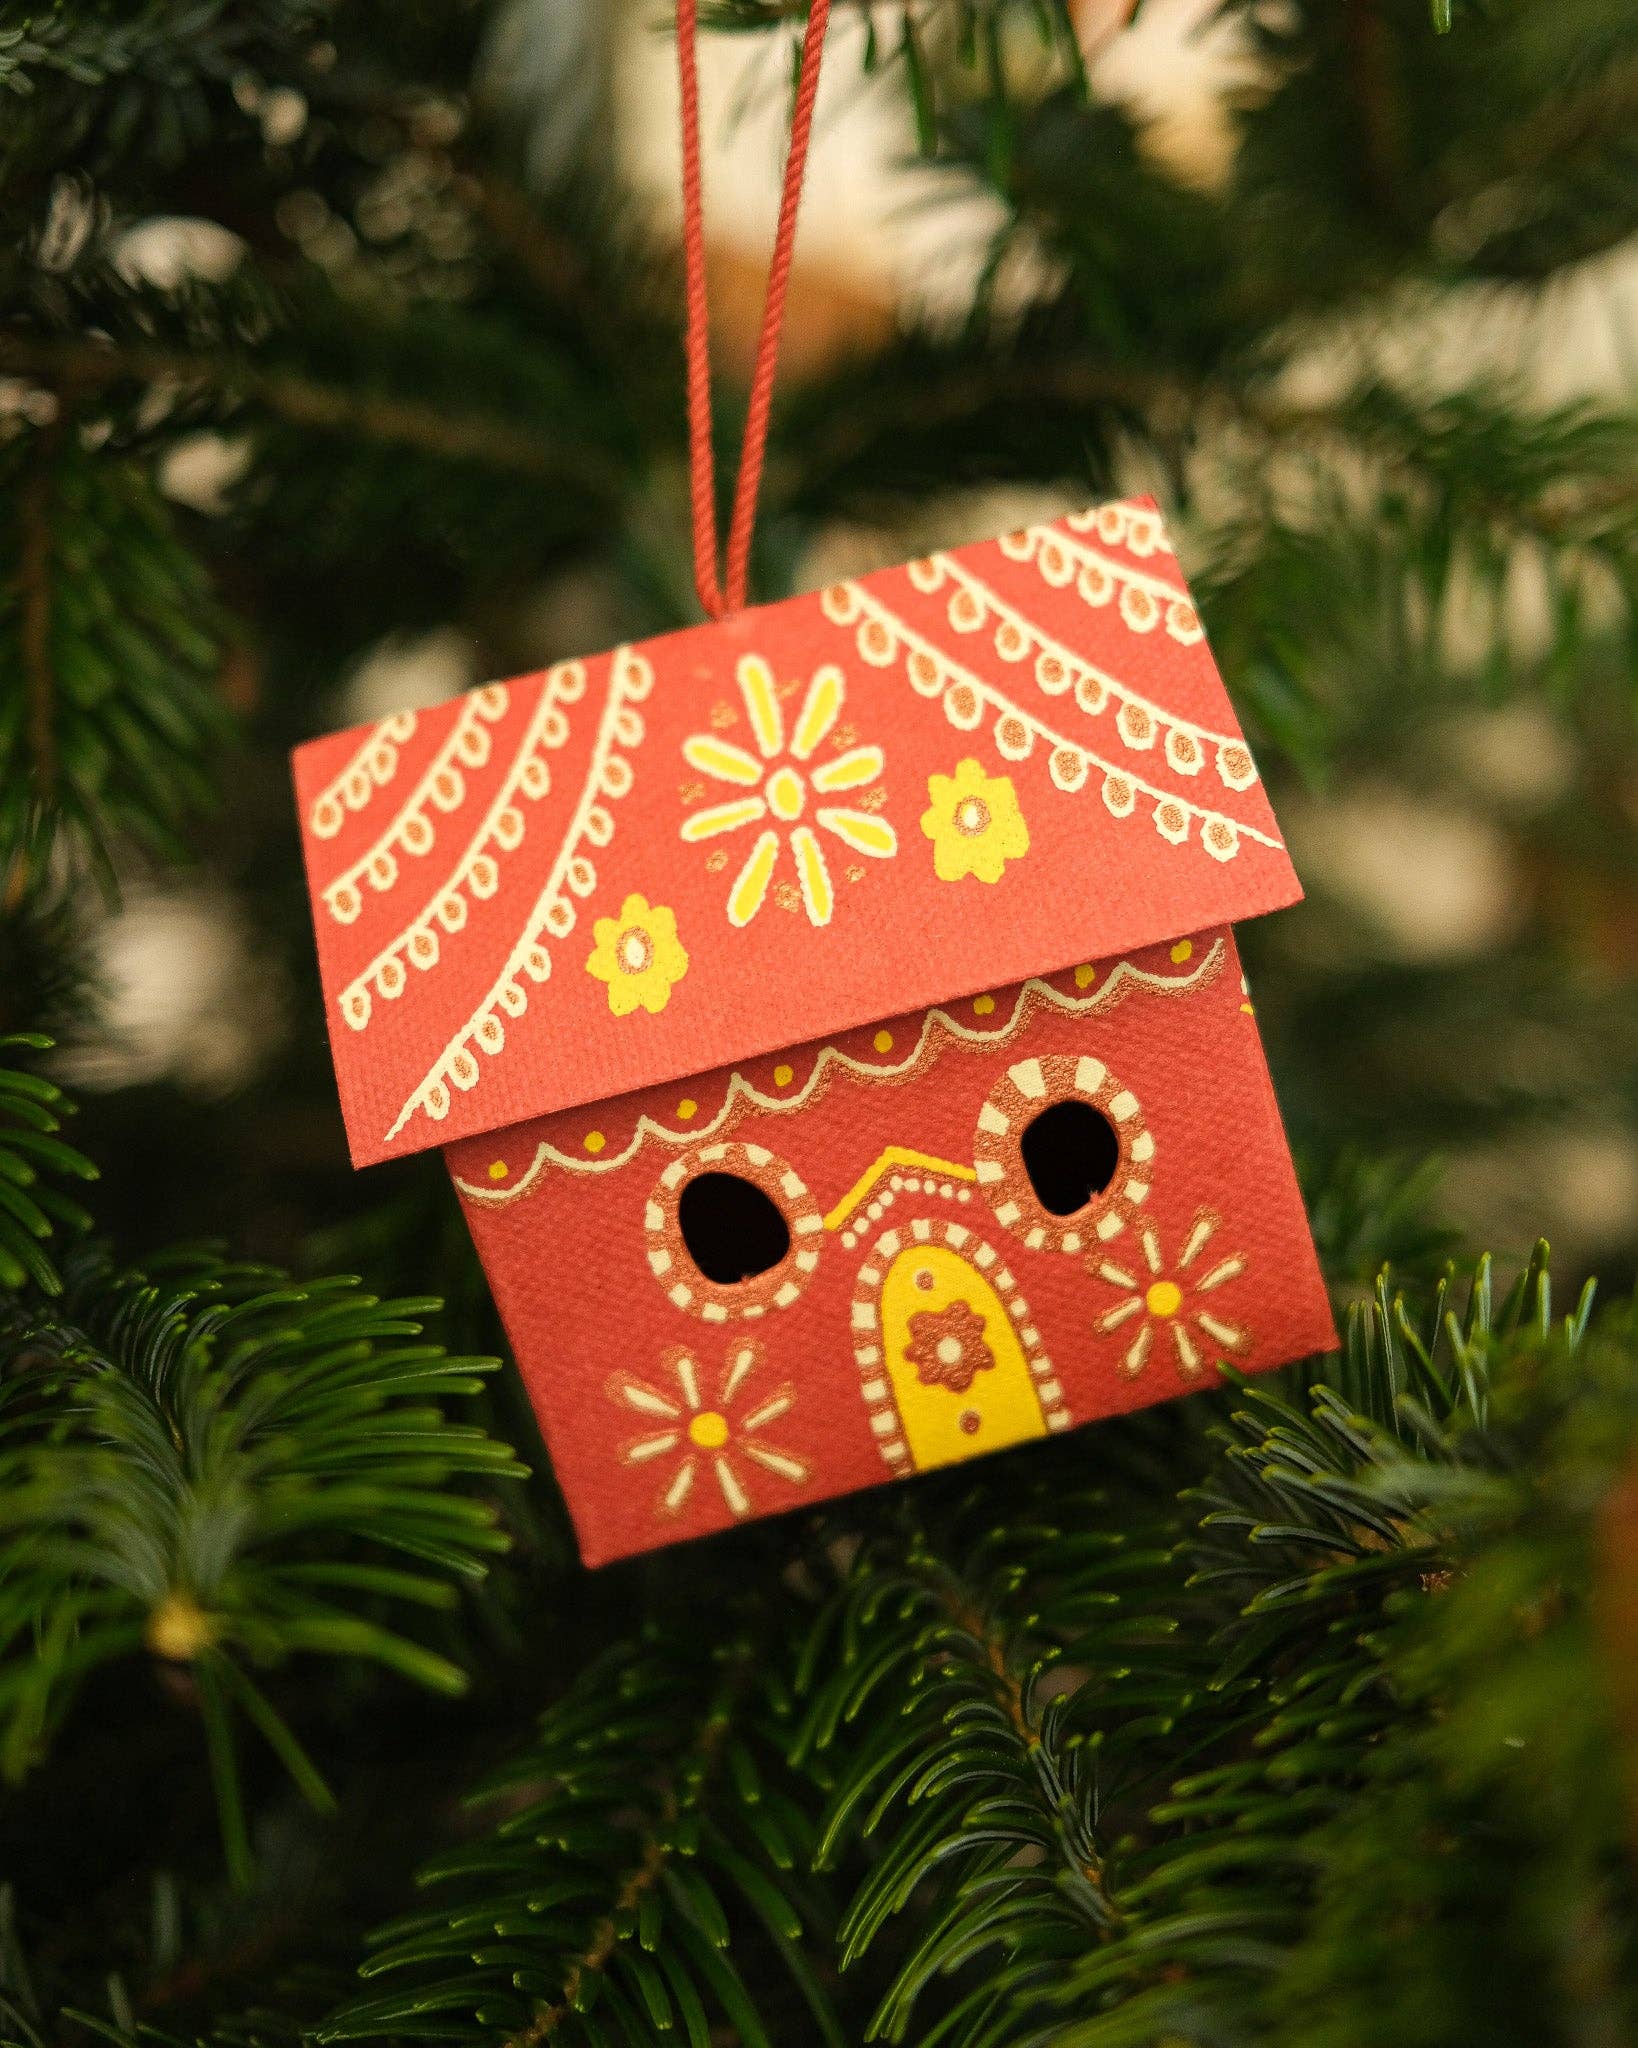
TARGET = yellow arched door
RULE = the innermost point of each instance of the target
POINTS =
(960, 1379)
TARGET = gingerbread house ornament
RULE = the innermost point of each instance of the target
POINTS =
(832, 1023)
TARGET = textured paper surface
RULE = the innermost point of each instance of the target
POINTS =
(673, 1408)
(944, 778)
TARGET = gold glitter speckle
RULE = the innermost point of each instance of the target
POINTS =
(723, 715)
(690, 792)
(716, 862)
(788, 896)
(855, 873)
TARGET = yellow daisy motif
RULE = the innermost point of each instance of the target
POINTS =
(1164, 1303)
(687, 1432)
(639, 955)
(974, 823)
(773, 785)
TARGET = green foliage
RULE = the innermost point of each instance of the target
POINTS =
(1186, 1749)
(33, 1159)
(645, 1838)
(981, 41)
(1142, 1782)
(116, 79)
(1368, 1212)
(208, 1464)
(110, 641)
(1471, 495)
(1441, 151)
(1514, 1686)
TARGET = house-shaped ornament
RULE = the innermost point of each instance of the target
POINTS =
(832, 1023)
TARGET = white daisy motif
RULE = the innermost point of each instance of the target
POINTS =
(773, 788)
(1167, 1299)
(689, 1433)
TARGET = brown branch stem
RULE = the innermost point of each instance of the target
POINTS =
(595, 1955)
(90, 366)
(1562, 123)
(34, 578)
(643, 1876)
(1371, 54)
(992, 1647)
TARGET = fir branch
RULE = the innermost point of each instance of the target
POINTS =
(947, 49)
(1367, 1213)
(34, 625)
(153, 41)
(33, 1159)
(436, 431)
(106, 84)
(109, 645)
(1014, 1709)
(1459, 159)
(937, 1700)
(643, 1824)
(208, 1464)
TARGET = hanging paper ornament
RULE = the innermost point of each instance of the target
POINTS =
(829, 1013)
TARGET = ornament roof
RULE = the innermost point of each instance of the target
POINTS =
(988, 765)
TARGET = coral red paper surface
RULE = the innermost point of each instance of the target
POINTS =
(993, 763)
(928, 1307)
(833, 908)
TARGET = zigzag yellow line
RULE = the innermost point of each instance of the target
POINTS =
(895, 1155)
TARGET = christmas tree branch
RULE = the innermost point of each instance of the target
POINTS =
(34, 574)
(596, 1910)
(109, 641)
(939, 1686)
(1267, 1671)
(33, 1160)
(209, 1464)
(697, 1766)
(76, 366)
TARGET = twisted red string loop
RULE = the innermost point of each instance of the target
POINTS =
(728, 595)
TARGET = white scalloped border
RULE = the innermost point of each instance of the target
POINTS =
(742, 1094)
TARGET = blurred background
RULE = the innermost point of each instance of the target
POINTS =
(1372, 338)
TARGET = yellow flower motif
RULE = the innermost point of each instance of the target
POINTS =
(974, 823)
(1171, 1303)
(773, 786)
(639, 955)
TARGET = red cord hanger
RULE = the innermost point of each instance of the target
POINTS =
(728, 595)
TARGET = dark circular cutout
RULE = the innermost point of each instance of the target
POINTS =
(1070, 1153)
(733, 1230)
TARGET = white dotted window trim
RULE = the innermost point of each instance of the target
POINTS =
(1018, 1098)
(874, 1382)
(886, 1193)
(672, 1264)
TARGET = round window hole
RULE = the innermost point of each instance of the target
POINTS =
(1070, 1153)
(733, 1230)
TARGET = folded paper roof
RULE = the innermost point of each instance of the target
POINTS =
(989, 764)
